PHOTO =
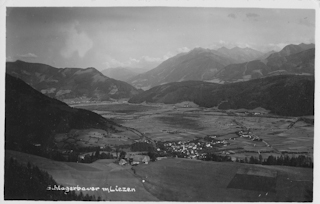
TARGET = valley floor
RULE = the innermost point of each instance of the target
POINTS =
(263, 133)
(234, 133)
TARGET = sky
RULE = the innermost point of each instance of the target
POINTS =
(143, 37)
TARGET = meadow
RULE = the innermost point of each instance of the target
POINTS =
(165, 122)
(175, 179)
(102, 173)
(192, 180)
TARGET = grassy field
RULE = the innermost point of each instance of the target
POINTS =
(119, 108)
(181, 121)
(192, 180)
(172, 122)
(94, 137)
(181, 179)
(102, 173)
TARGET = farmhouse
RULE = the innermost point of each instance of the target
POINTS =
(122, 162)
(161, 158)
(136, 159)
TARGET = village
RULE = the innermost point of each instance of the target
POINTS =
(190, 149)
(195, 149)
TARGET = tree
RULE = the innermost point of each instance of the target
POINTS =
(87, 159)
(30, 183)
(152, 156)
(103, 156)
(270, 160)
(122, 155)
(252, 160)
(108, 148)
(260, 159)
(117, 152)
(73, 156)
(97, 154)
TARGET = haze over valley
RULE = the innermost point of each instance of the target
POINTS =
(160, 104)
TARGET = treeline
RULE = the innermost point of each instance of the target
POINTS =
(142, 146)
(299, 161)
(95, 156)
(70, 155)
(30, 183)
(218, 158)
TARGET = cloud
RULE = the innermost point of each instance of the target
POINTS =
(111, 62)
(9, 59)
(183, 49)
(142, 62)
(232, 15)
(28, 55)
(252, 15)
(76, 41)
(146, 62)
(227, 44)
(149, 59)
(273, 46)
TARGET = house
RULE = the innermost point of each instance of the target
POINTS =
(122, 162)
(134, 163)
(234, 159)
(136, 159)
(160, 158)
(145, 160)
(37, 145)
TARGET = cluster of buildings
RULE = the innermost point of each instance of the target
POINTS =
(247, 113)
(192, 149)
(248, 135)
(134, 159)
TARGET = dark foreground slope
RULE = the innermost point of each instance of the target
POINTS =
(28, 182)
(284, 95)
(32, 117)
(102, 173)
(70, 83)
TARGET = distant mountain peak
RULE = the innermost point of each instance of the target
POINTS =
(70, 83)
(306, 44)
(236, 48)
(199, 49)
(93, 70)
(222, 48)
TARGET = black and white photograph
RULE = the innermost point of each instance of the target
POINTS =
(184, 101)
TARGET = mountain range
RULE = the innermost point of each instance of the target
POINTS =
(287, 95)
(292, 59)
(122, 73)
(198, 64)
(239, 55)
(70, 83)
(228, 65)
(32, 117)
(292, 49)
